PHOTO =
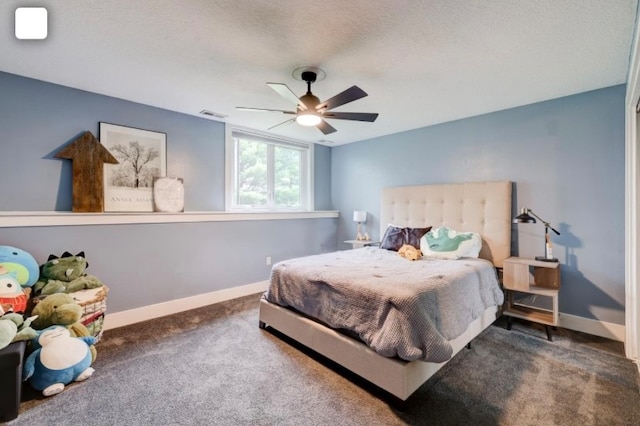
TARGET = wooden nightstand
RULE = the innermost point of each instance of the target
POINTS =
(362, 243)
(535, 277)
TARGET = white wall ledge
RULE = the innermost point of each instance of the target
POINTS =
(34, 218)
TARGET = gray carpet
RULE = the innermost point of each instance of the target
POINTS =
(214, 366)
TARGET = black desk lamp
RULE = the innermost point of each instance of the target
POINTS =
(526, 217)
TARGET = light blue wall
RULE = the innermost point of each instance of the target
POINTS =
(149, 263)
(566, 159)
(153, 263)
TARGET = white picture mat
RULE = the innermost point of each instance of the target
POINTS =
(120, 192)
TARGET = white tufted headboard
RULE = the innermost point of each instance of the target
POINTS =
(482, 207)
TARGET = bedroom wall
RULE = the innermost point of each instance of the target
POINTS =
(142, 264)
(566, 159)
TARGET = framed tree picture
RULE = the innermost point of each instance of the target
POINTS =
(142, 157)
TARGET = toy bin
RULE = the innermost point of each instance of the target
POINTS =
(11, 380)
(94, 307)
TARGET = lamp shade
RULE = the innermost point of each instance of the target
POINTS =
(360, 216)
(524, 217)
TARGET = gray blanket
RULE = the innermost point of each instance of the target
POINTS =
(399, 308)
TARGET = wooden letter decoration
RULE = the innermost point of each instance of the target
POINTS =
(88, 156)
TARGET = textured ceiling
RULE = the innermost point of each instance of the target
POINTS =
(421, 62)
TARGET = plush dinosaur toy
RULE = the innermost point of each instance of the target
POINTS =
(58, 359)
(65, 274)
(61, 309)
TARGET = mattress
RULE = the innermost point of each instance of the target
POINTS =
(399, 308)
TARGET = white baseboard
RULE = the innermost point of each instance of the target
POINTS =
(132, 316)
(591, 326)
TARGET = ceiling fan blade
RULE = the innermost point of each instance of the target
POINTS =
(284, 122)
(284, 91)
(264, 110)
(357, 116)
(326, 128)
(353, 93)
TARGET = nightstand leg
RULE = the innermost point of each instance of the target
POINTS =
(548, 332)
(509, 321)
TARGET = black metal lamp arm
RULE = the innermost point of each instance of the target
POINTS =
(544, 222)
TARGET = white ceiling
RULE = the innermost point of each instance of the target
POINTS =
(421, 62)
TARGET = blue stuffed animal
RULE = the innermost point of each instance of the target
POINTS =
(58, 360)
(22, 263)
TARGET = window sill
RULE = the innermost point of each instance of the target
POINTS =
(34, 218)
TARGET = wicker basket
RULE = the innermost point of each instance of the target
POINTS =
(94, 308)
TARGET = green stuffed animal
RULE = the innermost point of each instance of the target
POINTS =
(61, 309)
(65, 274)
(13, 328)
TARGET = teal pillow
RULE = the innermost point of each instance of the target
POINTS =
(446, 243)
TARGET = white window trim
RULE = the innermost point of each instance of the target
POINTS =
(229, 174)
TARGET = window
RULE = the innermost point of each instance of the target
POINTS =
(267, 172)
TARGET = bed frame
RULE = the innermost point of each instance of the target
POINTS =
(483, 207)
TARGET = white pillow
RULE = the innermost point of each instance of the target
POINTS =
(446, 243)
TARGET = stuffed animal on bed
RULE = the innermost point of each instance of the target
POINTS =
(22, 263)
(11, 292)
(409, 252)
(65, 274)
(449, 244)
(58, 360)
(61, 309)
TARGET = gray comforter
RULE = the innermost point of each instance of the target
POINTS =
(399, 308)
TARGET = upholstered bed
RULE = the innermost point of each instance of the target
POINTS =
(483, 208)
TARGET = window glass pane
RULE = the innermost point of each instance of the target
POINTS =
(287, 177)
(252, 173)
(267, 172)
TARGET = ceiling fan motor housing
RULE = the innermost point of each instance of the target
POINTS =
(309, 76)
(310, 101)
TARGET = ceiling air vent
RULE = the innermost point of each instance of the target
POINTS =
(213, 114)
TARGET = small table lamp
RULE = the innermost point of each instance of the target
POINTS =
(526, 217)
(360, 217)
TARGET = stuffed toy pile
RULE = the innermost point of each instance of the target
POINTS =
(60, 348)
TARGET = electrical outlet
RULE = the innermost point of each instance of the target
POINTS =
(268, 261)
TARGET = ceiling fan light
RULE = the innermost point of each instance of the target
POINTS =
(308, 118)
